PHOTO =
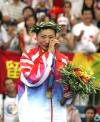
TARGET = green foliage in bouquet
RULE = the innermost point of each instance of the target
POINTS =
(78, 81)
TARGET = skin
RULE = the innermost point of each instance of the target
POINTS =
(30, 22)
(87, 20)
(87, 17)
(90, 115)
(89, 3)
(67, 9)
(47, 40)
(27, 12)
(12, 30)
(10, 87)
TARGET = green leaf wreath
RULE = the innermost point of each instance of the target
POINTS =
(77, 80)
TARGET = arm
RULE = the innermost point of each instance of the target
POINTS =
(35, 67)
(78, 38)
(1, 119)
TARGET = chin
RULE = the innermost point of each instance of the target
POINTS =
(44, 48)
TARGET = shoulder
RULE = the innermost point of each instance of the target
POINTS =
(78, 25)
(30, 52)
(33, 50)
(94, 27)
(83, 119)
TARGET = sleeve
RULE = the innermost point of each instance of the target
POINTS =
(35, 68)
(5, 10)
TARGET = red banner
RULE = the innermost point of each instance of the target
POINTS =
(9, 66)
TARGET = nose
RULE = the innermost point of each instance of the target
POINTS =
(47, 40)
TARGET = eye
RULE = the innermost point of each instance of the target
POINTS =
(43, 36)
(51, 37)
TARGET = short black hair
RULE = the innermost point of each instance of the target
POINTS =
(68, 2)
(12, 22)
(7, 79)
(45, 29)
(86, 9)
(90, 107)
(30, 8)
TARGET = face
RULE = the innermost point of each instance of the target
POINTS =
(27, 12)
(67, 8)
(90, 114)
(30, 22)
(64, 28)
(12, 29)
(88, 3)
(87, 16)
(46, 19)
(44, 37)
(42, 3)
(10, 85)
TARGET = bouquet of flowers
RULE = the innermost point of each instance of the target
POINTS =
(77, 80)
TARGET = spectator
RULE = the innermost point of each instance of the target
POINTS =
(26, 35)
(41, 9)
(10, 107)
(13, 10)
(89, 4)
(90, 112)
(66, 39)
(27, 11)
(86, 33)
(3, 34)
(67, 13)
(46, 18)
(12, 42)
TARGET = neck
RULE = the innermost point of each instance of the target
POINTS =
(66, 14)
(89, 120)
(16, 2)
(12, 94)
(87, 23)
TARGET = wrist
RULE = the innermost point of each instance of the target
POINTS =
(52, 50)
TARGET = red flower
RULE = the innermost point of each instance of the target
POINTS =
(85, 79)
(78, 71)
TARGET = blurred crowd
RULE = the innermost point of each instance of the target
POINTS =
(80, 32)
(79, 21)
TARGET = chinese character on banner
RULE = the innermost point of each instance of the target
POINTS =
(13, 69)
(9, 67)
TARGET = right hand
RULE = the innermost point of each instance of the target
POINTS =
(52, 45)
(81, 34)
